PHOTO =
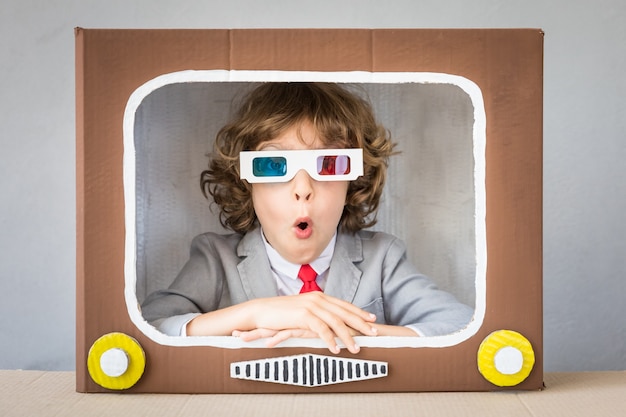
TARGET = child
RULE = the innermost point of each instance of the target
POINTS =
(301, 202)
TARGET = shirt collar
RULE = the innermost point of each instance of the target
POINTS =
(281, 265)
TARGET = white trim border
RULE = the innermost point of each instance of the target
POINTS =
(479, 136)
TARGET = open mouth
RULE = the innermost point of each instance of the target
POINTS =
(303, 227)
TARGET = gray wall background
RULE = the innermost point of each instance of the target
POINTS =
(584, 154)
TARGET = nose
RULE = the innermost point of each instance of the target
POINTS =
(302, 185)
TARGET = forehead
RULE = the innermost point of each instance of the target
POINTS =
(302, 135)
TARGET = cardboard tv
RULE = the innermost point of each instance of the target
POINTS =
(464, 193)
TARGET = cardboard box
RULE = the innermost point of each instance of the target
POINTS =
(495, 78)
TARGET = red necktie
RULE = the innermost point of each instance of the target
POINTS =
(308, 275)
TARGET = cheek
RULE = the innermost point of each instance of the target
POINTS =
(258, 198)
(265, 199)
(335, 196)
(341, 191)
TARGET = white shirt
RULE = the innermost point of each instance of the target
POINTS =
(286, 273)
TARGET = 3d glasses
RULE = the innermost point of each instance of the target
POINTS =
(282, 166)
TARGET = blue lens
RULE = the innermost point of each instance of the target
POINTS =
(269, 166)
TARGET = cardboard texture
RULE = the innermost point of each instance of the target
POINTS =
(35, 393)
(506, 65)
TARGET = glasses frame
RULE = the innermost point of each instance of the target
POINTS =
(300, 160)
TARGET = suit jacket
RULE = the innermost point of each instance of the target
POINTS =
(368, 269)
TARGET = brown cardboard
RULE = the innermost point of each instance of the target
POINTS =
(505, 64)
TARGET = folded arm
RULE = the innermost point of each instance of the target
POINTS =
(306, 315)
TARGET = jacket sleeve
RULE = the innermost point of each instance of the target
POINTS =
(198, 288)
(412, 299)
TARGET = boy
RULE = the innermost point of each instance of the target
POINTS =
(297, 175)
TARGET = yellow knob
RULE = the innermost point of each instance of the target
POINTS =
(116, 361)
(505, 358)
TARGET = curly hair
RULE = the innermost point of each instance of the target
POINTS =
(341, 118)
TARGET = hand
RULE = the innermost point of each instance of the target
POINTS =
(277, 336)
(274, 337)
(313, 314)
(391, 330)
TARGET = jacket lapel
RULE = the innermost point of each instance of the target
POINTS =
(254, 270)
(257, 280)
(343, 275)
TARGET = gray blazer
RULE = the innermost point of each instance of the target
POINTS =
(368, 269)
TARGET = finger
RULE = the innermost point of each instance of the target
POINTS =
(323, 331)
(347, 306)
(283, 335)
(250, 335)
(337, 318)
(347, 313)
(335, 326)
(361, 327)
